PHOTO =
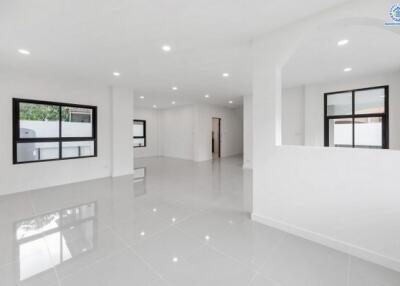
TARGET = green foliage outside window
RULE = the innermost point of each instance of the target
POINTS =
(42, 112)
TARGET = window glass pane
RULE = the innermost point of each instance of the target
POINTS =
(341, 132)
(38, 120)
(138, 129)
(339, 104)
(37, 151)
(368, 132)
(138, 142)
(370, 101)
(76, 122)
(77, 149)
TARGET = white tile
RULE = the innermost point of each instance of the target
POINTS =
(208, 267)
(300, 262)
(363, 273)
(211, 222)
(122, 268)
(160, 250)
(134, 231)
(248, 241)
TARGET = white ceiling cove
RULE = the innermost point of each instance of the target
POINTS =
(90, 39)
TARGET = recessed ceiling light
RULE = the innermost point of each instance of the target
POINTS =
(343, 42)
(230, 101)
(24, 52)
(225, 74)
(174, 88)
(173, 219)
(175, 259)
(174, 102)
(116, 74)
(349, 69)
(141, 97)
(207, 96)
(207, 237)
(142, 233)
(155, 106)
(166, 48)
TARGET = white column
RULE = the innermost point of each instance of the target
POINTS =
(266, 119)
(122, 131)
(248, 132)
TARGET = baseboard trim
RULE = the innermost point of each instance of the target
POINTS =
(328, 241)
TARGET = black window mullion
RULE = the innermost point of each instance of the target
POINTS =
(59, 132)
(353, 110)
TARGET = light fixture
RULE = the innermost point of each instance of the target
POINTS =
(154, 106)
(175, 259)
(154, 210)
(116, 74)
(142, 233)
(230, 101)
(166, 48)
(206, 95)
(225, 74)
(24, 52)
(174, 88)
(173, 219)
(173, 102)
(207, 237)
(141, 97)
(349, 69)
(342, 42)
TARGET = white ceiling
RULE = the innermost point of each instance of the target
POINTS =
(371, 50)
(89, 39)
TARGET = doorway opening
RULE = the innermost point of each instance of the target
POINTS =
(216, 138)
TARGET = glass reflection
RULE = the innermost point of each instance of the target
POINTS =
(139, 179)
(68, 233)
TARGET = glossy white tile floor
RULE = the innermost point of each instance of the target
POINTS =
(185, 223)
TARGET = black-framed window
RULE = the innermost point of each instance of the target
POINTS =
(139, 133)
(357, 118)
(49, 131)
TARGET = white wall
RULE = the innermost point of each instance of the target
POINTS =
(17, 178)
(346, 199)
(177, 132)
(152, 129)
(185, 132)
(293, 104)
(231, 131)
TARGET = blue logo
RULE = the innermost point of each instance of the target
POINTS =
(394, 13)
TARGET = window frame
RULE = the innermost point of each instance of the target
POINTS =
(144, 133)
(353, 116)
(16, 130)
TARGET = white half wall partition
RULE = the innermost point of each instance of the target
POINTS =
(343, 198)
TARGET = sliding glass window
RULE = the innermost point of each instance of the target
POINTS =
(47, 131)
(357, 118)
